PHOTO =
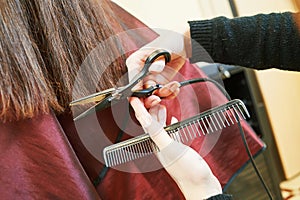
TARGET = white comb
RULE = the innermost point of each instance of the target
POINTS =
(207, 122)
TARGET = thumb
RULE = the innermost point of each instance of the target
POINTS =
(140, 111)
(156, 131)
(152, 122)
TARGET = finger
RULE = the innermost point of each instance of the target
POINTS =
(157, 66)
(163, 77)
(138, 86)
(135, 62)
(137, 58)
(149, 82)
(170, 89)
(153, 79)
(162, 115)
(153, 76)
(149, 122)
(152, 101)
(131, 74)
(153, 111)
(173, 95)
(159, 113)
(134, 70)
(141, 113)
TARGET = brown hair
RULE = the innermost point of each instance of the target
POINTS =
(43, 44)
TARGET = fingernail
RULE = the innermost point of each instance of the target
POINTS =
(174, 87)
(171, 88)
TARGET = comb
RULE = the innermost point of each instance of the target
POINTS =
(207, 122)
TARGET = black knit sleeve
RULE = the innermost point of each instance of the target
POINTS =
(221, 197)
(261, 41)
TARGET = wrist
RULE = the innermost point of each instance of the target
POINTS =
(170, 41)
(212, 187)
(160, 138)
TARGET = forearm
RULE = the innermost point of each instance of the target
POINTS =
(261, 41)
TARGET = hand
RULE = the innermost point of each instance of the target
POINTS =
(159, 73)
(188, 169)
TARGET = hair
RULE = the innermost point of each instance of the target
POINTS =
(43, 43)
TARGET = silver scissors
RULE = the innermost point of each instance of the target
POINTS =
(111, 96)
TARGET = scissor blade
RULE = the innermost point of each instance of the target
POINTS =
(99, 96)
(85, 113)
(108, 101)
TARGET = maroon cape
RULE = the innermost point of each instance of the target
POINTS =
(46, 158)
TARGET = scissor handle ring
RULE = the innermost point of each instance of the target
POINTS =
(150, 59)
(156, 54)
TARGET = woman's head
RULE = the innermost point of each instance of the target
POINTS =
(43, 44)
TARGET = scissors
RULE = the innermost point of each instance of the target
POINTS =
(111, 96)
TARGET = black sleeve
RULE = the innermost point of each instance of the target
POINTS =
(221, 197)
(261, 41)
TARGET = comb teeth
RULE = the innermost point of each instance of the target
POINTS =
(202, 124)
(131, 149)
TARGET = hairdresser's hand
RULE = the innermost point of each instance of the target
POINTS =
(159, 73)
(188, 169)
